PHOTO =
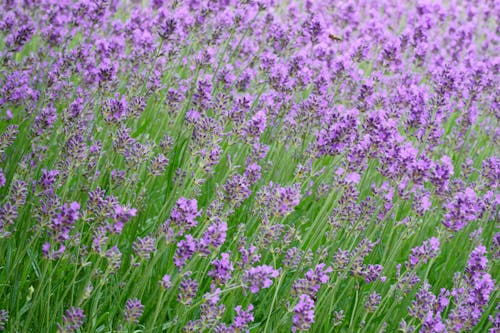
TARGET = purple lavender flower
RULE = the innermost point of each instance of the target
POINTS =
(48, 178)
(257, 278)
(313, 280)
(133, 310)
(121, 215)
(237, 189)
(441, 174)
(433, 324)
(429, 249)
(60, 227)
(372, 302)
(371, 272)
(338, 133)
(213, 237)
(280, 200)
(114, 257)
(165, 282)
(243, 318)
(45, 120)
(495, 321)
(253, 173)
(72, 320)
(144, 247)
(222, 270)
(464, 208)
(186, 248)
(8, 216)
(184, 214)
(167, 27)
(4, 318)
(248, 255)
(187, 290)
(473, 296)
(158, 165)
(2, 178)
(256, 125)
(303, 314)
(423, 304)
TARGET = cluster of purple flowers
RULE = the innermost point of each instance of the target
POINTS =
(259, 277)
(133, 310)
(307, 289)
(205, 165)
(73, 319)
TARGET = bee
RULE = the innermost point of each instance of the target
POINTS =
(335, 37)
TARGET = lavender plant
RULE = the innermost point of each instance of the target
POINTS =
(249, 166)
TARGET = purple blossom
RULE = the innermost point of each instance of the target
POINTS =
(8, 216)
(495, 320)
(429, 249)
(214, 236)
(48, 178)
(271, 114)
(280, 200)
(372, 302)
(4, 318)
(187, 290)
(59, 228)
(2, 178)
(464, 208)
(184, 214)
(433, 324)
(121, 215)
(423, 304)
(73, 319)
(253, 173)
(222, 270)
(313, 280)
(243, 317)
(256, 125)
(114, 257)
(237, 189)
(115, 109)
(338, 133)
(259, 277)
(473, 296)
(371, 272)
(133, 310)
(303, 314)
(165, 282)
(186, 248)
(353, 178)
(144, 247)
(441, 173)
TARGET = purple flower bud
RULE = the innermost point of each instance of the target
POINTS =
(72, 320)
(4, 318)
(165, 282)
(133, 310)
(144, 247)
(2, 178)
(187, 290)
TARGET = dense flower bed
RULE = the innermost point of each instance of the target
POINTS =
(263, 166)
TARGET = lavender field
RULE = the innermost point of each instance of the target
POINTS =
(249, 166)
